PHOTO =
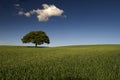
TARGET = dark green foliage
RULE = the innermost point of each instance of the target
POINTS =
(36, 37)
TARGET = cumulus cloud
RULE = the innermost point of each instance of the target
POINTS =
(17, 5)
(20, 13)
(45, 13)
(27, 14)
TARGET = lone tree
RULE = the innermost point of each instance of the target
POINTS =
(36, 37)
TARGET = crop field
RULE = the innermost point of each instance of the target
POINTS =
(93, 62)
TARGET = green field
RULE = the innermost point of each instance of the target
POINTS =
(95, 62)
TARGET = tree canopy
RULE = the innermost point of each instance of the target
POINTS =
(36, 37)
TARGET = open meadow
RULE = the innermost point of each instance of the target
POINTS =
(93, 62)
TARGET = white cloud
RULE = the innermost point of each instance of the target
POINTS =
(45, 13)
(17, 5)
(20, 13)
(45, 6)
(27, 14)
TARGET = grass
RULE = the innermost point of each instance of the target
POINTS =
(97, 62)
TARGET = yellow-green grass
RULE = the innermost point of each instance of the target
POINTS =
(96, 62)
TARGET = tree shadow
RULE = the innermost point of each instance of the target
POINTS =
(37, 47)
(73, 78)
(70, 78)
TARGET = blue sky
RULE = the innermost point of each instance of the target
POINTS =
(83, 22)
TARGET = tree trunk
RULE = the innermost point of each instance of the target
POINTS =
(35, 44)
